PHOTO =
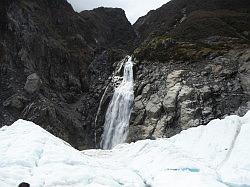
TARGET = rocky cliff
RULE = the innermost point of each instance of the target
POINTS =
(192, 66)
(55, 64)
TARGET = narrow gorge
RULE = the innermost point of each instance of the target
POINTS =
(191, 66)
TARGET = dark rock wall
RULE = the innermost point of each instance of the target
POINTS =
(53, 70)
(110, 27)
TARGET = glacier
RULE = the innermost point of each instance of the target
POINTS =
(216, 155)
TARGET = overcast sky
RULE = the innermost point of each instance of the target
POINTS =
(133, 8)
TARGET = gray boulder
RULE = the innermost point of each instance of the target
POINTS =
(32, 84)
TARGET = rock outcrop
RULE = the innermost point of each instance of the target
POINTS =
(32, 84)
(192, 66)
(175, 95)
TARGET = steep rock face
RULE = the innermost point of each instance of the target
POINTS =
(61, 47)
(176, 95)
(192, 66)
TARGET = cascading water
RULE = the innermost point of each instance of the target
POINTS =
(119, 110)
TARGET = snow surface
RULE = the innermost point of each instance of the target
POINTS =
(216, 155)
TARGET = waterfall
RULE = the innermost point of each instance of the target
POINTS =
(119, 110)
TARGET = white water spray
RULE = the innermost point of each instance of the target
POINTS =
(119, 110)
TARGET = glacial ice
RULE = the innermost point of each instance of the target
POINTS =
(216, 155)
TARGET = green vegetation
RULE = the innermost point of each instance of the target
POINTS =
(165, 48)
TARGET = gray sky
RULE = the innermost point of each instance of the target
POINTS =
(133, 8)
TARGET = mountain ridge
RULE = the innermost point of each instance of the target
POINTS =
(167, 17)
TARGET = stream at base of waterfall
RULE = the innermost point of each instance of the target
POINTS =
(119, 110)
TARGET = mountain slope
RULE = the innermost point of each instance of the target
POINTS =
(110, 27)
(50, 64)
(197, 19)
(200, 157)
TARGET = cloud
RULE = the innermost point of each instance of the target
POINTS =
(133, 8)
